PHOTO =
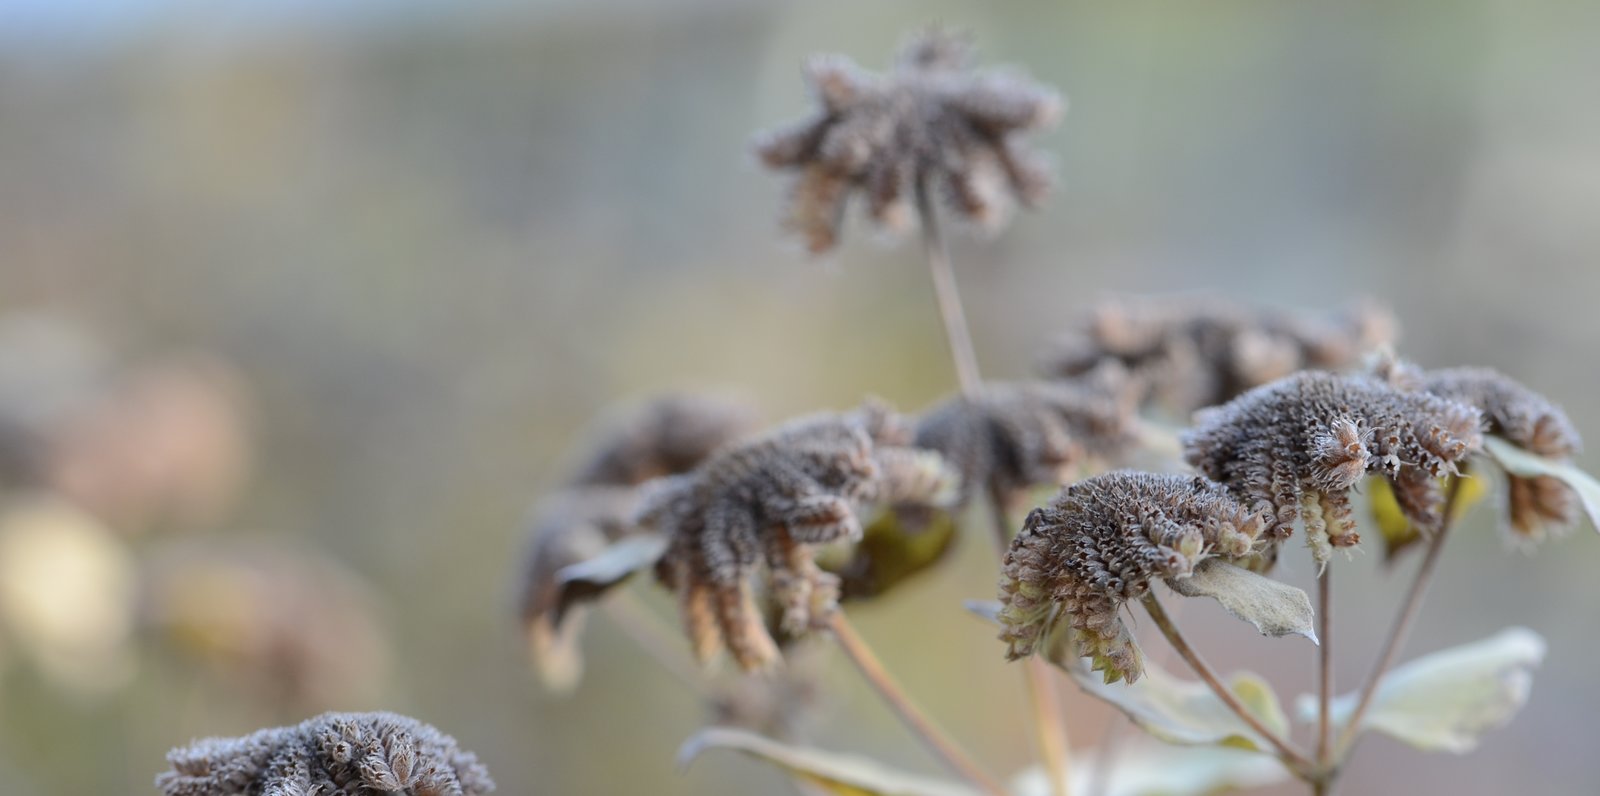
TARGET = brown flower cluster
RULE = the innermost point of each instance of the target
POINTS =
(666, 435)
(1013, 436)
(764, 504)
(1521, 416)
(1099, 544)
(930, 123)
(1198, 351)
(1296, 447)
(361, 754)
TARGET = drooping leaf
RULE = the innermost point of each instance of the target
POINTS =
(592, 577)
(1187, 712)
(1520, 462)
(1154, 770)
(1444, 701)
(1397, 531)
(896, 545)
(848, 775)
(1274, 608)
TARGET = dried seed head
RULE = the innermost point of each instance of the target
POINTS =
(1201, 351)
(763, 504)
(1521, 416)
(1014, 436)
(1294, 449)
(362, 754)
(930, 120)
(666, 435)
(1099, 544)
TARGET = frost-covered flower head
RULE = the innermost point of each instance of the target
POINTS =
(361, 754)
(665, 435)
(1295, 448)
(930, 119)
(762, 505)
(1099, 544)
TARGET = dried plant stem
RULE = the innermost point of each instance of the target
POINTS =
(1290, 756)
(1402, 623)
(1324, 664)
(946, 292)
(1050, 726)
(866, 661)
(648, 632)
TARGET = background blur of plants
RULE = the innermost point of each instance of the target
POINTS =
(392, 258)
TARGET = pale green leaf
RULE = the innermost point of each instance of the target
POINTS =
(848, 775)
(1444, 701)
(1187, 712)
(1520, 462)
(1274, 608)
(1148, 770)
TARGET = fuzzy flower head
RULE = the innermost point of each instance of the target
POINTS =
(1098, 544)
(930, 121)
(1296, 447)
(1522, 417)
(1197, 351)
(667, 434)
(362, 754)
(763, 505)
(1013, 436)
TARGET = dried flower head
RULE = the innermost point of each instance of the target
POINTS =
(765, 503)
(1013, 436)
(1520, 416)
(930, 122)
(1201, 351)
(1295, 448)
(362, 754)
(666, 435)
(1099, 543)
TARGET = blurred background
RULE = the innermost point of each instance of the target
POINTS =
(312, 302)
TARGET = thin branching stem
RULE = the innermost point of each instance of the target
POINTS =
(946, 293)
(1291, 756)
(1402, 623)
(1324, 664)
(937, 741)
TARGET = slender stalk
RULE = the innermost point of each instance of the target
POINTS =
(1324, 665)
(1402, 623)
(947, 294)
(1290, 756)
(1049, 725)
(942, 746)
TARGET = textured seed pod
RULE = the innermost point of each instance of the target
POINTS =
(1295, 448)
(1098, 544)
(1521, 416)
(667, 434)
(1196, 351)
(931, 119)
(361, 754)
(1011, 437)
(762, 505)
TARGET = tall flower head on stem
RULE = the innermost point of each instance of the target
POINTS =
(763, 505)
(1196, 351)
(930, 119)
(362, 754)
(1099, 544)
(1296, 447)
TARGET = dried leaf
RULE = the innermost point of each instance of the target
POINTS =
(848, 775)
(1151, 770)
(898, 544)
(590, 578)
(1518, 461)
(1186, 712)
(1275, 609)
(1444, 701)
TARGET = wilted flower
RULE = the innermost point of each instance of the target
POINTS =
(767, 502)
(665, 435)
(1196, 351)
(1011, 437)
(1294, 449)
(930, 121)
(1520, 416)
(362, 754)
(1098, 544)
